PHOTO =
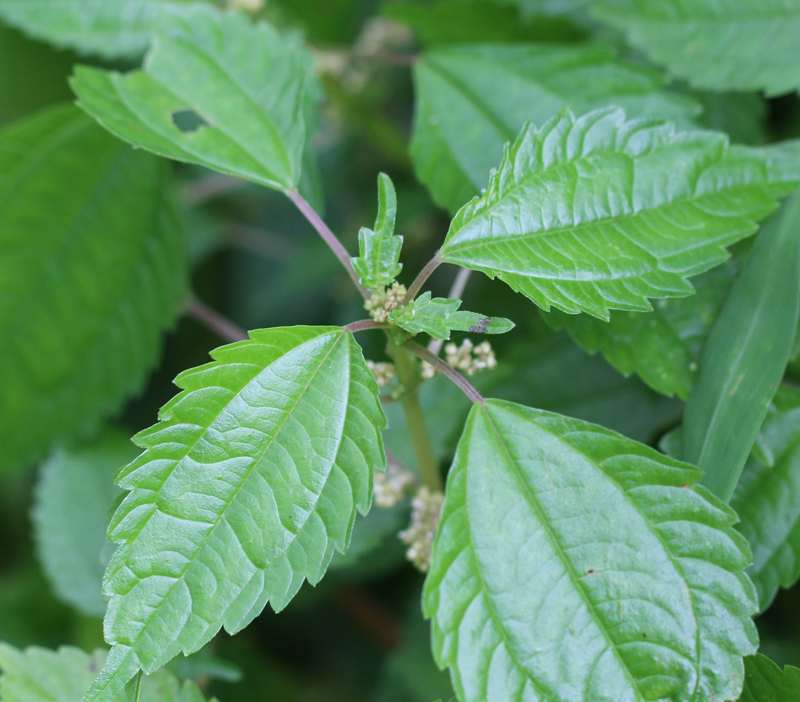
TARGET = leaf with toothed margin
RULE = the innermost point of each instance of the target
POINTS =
(439, 316)
(40, 675)
(594, 213)
(766, 682)
(216, 90)
(379, 261)
(247, 486)
(572, 563)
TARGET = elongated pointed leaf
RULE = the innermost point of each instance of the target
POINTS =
(767, 500)
(107, 28)
(574, 564)
(746, 355)
(92, 271)
(217, 90)
(471, 100)
(247, 485)
(439, 316)
(662, 347)
(597, 213)
(736, 45)
(40, 675)
(73, 498)
(379, 261)
(766, 682)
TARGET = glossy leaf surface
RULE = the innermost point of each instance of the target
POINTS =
(597, 213)
(440, 316)
(766, 682)
(216, 90)
(40, 675)
(746, 355)
(767, 500)
(108, 28)
(574, 564)
(92, 271)
(746, 45)
(379, 261)
(471, 100)
(246, 487)
(73, 498)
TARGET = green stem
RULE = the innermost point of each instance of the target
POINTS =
(410, 379)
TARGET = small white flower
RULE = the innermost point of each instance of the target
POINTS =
(426, 511)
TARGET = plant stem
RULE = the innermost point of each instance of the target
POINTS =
(216, 322)
(363, 324)
(409, 378)
(446, 369)
(328, 236)
(424, 274)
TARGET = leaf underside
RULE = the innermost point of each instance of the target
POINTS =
(471, 100)
(216, 90)
(572, 563)
(597, 213)
(746, 45)
(88, 283)
(247, 485)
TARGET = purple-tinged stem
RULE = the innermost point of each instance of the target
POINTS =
(214, 321)
(363, 324)
(424, 274)
(328, 236)
(445, 369)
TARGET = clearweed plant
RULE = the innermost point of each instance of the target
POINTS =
(603, 494)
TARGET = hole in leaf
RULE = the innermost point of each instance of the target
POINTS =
(188, 121)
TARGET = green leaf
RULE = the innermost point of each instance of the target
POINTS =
(247, 485)
(574, 564)
(662, 347)
(92, 271)
(767, 500)
(217, 90)
(108, 28)
(39, 675)
(766, 682)
(531, 8)
(746, 355)
(378, 263)
(471, 100)
(73, 498)
(736, 45)
(596, 213)
(439, 316)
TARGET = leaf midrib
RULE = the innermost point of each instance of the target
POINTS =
(568, 565)
(215, 525)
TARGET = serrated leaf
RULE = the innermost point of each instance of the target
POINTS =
(109, 28)
(247, 486)
(471, 100)
(72, 501)
(216, 90)
(378, 263)
(746, 355)
(440, 316)
(40, 675)
(767, 500)
(92, 271)
(597, 213)
(574, 564)
(766, 682)
(662, 347)
(746, 45)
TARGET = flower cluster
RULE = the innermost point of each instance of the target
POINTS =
(426, 511)
(470, 359)
(381, 304)
(384, 372)
(392, 484)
